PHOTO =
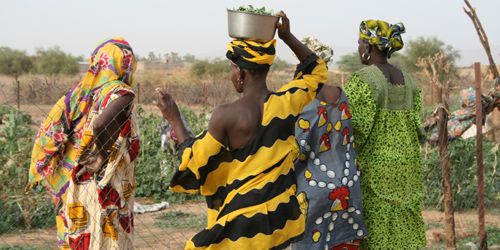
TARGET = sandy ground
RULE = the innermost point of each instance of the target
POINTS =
(148, 235)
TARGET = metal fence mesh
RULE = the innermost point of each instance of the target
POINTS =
(27, 219)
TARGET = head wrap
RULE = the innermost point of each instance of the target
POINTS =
(322, 50)
(251, 54)
(384, 36)
(113, 59)
(468, 97)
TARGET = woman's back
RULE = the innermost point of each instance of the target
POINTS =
(386, 125)
(250, 188)
(386, 122)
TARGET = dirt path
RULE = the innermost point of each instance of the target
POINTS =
(465, 224)
(149, 235)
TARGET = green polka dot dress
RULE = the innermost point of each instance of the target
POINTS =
(386, 125)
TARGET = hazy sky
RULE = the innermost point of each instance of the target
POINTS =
(200, 27)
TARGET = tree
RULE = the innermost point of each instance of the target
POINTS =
(151, 57)
(14, 63)
(53, 61)
(427, 47)
(350, 62)
(280, 64)
(189, 58)
(434, 67)
(424, 48)
(483, 38)
(206, 68)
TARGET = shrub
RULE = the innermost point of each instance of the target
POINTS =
(19, 210)
(152, 160)
(463, 175)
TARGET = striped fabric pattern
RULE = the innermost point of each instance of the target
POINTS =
(250, 192)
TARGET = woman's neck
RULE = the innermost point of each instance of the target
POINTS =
(376, 60)
(256, 88)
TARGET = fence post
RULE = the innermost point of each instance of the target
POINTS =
(449, 227)
(18, 90)
(479, 157)
(138, 93)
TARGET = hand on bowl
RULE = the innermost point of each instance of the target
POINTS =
(283, 26)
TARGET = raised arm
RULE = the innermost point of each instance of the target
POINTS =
(171, 113)
(194, 153)
(299, 49)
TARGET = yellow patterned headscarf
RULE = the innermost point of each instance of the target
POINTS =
(384, 36)
(251, 54)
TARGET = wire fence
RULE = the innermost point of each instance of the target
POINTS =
(28, 219)
(94, 208)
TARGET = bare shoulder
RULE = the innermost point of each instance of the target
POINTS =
(329, 94)
(220, 121)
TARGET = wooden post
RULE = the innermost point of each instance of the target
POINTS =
(138, 93)
(479, 157)
(18, 92)
(449, 218)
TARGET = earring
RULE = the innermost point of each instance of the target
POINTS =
(365, 57)
(241, 82)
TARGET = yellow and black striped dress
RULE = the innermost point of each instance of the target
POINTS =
(250, 192)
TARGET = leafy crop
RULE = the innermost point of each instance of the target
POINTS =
(254, 10)
(153, 160)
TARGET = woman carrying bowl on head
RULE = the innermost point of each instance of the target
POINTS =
(243, 163)
(385, 107)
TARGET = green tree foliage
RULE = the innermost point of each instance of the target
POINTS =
(209, 68)
(189, 58)
(423, 47)
(280, 64)
(350, 62)
(19, 210)
(154, 167)
(14, 63)
(53, 61)
(463, 174)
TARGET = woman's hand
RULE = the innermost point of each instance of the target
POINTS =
(284, 27)
(91, 163)
(171, 113)
(298, 48)
(167, 106)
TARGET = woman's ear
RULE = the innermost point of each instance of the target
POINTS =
(241, 74)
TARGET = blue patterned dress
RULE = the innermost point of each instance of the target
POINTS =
(327, 177)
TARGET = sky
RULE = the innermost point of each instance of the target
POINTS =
(200, 27)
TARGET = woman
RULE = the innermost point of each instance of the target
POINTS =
(85, 150)
(385, 106)
(328, 187)
(243, 164)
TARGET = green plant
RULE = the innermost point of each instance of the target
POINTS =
(14, 63)
(251, 9)
(209, 68)
(19, 210)
(463, 174)
(53, 61)
(152, 160)
(350, 63)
